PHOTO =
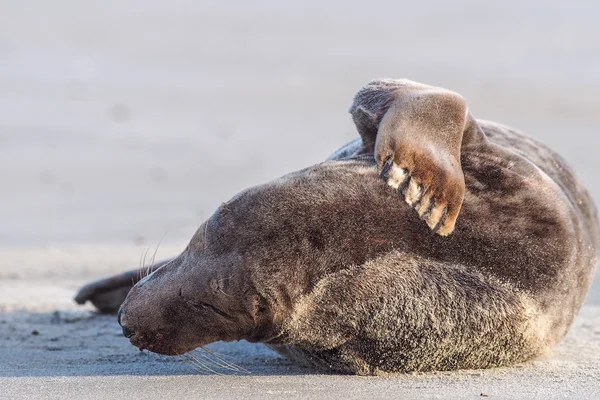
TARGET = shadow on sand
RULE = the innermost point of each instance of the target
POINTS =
(84, 343)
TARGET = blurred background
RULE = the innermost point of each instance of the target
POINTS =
(125, 121)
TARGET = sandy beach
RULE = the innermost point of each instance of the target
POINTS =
(125, 124)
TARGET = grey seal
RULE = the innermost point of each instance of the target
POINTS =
(434, 241)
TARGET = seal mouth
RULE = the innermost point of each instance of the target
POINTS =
(155, 343)
(135, 341)
(161, 349)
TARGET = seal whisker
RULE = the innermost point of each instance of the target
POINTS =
(200, 363)
(196, 365)
(191, 365)
(222, 358)
(144, 264)
(209, 361)
(186, 361)
(139, 272)
(151, 266)
(216, 363)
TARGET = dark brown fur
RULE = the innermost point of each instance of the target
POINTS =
(331, 267)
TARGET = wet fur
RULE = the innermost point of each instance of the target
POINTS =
(332, 268)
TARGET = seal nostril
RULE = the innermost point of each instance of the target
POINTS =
(127, 333)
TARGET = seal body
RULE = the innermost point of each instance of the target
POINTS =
(332, 266)
(504, 288)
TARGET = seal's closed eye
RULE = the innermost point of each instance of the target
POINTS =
(200, 305)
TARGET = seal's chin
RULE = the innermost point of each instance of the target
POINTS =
(158, 343)
(162, 341)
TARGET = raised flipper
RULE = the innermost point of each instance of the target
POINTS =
(416, 134)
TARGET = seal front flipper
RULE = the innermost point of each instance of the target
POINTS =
(416, 133)
(108, 294)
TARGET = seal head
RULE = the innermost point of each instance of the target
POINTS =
(187, 303)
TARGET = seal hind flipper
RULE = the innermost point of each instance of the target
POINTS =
(108, 294)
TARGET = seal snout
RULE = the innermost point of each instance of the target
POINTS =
(126, 332)
(146, 340)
